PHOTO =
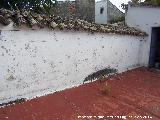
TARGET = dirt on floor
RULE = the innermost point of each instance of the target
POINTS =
(133, 95)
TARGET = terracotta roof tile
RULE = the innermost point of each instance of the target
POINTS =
(31, 19)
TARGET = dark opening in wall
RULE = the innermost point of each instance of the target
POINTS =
(154, 59)
(101, 10)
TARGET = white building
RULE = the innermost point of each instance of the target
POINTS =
(105, 12)
(147, 18)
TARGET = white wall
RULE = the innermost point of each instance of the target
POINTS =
(101, 18)
(144, 18)
(39, 62)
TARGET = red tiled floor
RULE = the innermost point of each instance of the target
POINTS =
(133, 93)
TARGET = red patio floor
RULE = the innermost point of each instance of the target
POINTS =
(134, 94)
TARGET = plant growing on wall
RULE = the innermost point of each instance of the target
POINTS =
(101, 74)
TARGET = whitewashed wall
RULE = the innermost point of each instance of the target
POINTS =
(101, 18)
(38, 62)
(144, 18)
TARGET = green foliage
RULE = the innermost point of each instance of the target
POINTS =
(119, 19)
(150, 2)
(135, 1)
(35, 5)
(153, 2)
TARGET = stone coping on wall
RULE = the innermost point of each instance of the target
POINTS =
(33, 21)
